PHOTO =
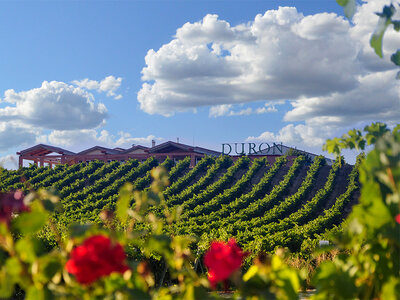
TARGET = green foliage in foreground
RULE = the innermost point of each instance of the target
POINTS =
(385, 20)
(372, 270)
(367, 268)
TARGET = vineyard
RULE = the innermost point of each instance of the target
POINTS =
(262, 205)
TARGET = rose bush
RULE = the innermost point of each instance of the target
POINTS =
(222, 259)
(95, 258)
(11, 203)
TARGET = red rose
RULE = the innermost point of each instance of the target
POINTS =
(222, 259)
(11, 203)
(95, 258)
(397, 218)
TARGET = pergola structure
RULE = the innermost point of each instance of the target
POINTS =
(45, 154)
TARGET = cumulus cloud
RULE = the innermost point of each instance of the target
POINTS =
(12, 135)
(376, 98)
(126, 139)
(279, 55)
(25, 116)
(291, 134)
(228, 110)
(9, 162)
(55, 105)
(76, 137)
(322, 63)
(108, 85)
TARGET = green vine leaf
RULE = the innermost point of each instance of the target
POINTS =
(395, 58)
(375, 131)
(396, 25)
(349, 7)
(385, 19)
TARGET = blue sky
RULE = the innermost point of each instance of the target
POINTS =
(115, 73)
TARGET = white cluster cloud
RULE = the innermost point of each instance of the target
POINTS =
(126, 139)
(108, 85)
(293, 135)
(228, 110)
(322, 63)
(278, 56)
(9, 162)
(25, 116)
(13, 134)
(55, 105)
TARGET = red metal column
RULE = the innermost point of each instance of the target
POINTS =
(192, 160)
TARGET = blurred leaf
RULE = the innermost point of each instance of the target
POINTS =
(395, 58)
(52, 206)
(114, 282)
(333, 146)
(35, 293)
(47, 267)
(195, 292)
(13, 267)
(331, 280)
(78, 230)
(159, 244)
(253, 270)
(32, 222)
(139, 294)
(383, 23)
(342, 2)
(349, 7)
(353, 139)
(396, 25)
(375, 131)
(391, 288)
(6, 285)
(4, 229)
(123, 203)
(28, 249)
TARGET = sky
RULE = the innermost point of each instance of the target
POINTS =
(76, 74)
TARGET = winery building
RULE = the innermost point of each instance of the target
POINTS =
(49, 155)
(42, 155)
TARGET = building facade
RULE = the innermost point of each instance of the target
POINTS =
(42, 155)
(49, 155)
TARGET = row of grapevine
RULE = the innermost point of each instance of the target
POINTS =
(294, 236)
(293, 201)
(180, 184)
(106, 179)
(90, 209)
(228, 194)
(258, 207)
(221, 163)
(108, 185)
(217, 196)
(178, 170)
(89, 179)
(201, 224)
(309, 210)
(217, 187)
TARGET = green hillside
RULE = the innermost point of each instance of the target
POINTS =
(262, 205)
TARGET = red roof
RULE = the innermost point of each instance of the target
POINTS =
(102, 149)
(42, 150)
(135, 148)
(186, 148)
